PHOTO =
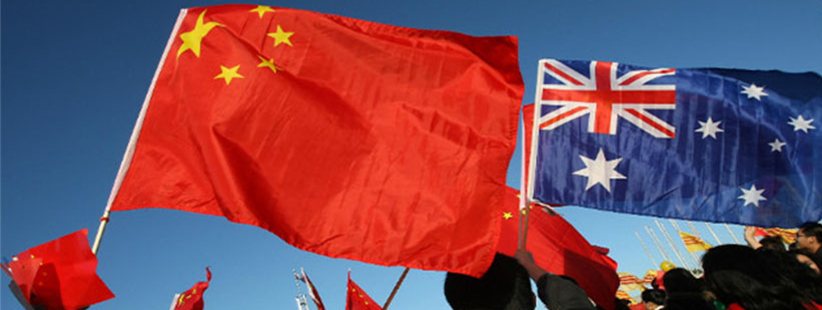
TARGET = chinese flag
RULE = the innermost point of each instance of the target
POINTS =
(60, 274)
(343, 137)
(357, 299)
(558, 248)
(192, 299)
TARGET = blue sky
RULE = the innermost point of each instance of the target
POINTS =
(74, 74)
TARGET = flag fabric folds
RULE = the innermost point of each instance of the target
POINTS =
(312, 290)
(788, 235)
(649, 277)
(629, 282)
(693, 243)
(716, 145)
(620, 294)
(343, 137)
(192, 299)
(357, 299)
(59, 274)
(560, 249)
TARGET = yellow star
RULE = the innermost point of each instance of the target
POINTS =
(181, 301)
(281, 36)
(267, 63)
(192, 39)
(261, 9)
(228, 74)
(507, 215)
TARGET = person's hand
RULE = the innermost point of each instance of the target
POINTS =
(750, 231)
(524, 257)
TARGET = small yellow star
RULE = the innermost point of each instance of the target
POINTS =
(281, 36)
(507, 215)
(181, 301)
(267, 63)
(193, 38)
(228, 74)
(261, 9)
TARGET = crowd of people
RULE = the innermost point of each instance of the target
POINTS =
(765, 275)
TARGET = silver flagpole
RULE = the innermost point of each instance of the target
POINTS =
(646, 249)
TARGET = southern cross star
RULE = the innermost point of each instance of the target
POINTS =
(776, 145)
(752, 196)
(800, 123)
(754, 91)
(709, 128)
(599, 170)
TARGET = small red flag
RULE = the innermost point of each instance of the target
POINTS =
(357, 299)
(192, 299)
(346, 138)
(60, 274)
(558, 248)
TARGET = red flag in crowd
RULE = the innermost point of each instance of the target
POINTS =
(620, 294)
(788, 235)
(558, 248)
(649, 277)
(357, 299)
(192, 299)
(344, 137)
(630, 282)
(60, 274)
(312, 290)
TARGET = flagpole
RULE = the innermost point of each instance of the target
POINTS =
(732, 233)
(523, 195)
(718, 242)
(646, 249)
(693, 229)
(657, 243)
(396, 288)
(693, 256)
(671, 244)
(132, 143)
(174, 302)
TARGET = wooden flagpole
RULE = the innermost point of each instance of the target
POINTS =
(396, 288)
(646, 249)
(132, 143)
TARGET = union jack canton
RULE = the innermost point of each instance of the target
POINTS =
(718, 145)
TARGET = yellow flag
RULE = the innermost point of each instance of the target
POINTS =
(693, 243)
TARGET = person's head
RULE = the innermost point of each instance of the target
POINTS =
(505, 286)
(809, 237)
(740, 274)
(653, 298)
(805, 259)
(680, 280)
(772, 243)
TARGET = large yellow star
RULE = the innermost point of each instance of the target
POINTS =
(267, 63)
(261, 9)
(507, 215)
(281, 36)
(228, 74)
(193, 38)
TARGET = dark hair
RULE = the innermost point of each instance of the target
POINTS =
(684, 291)
(656, 296)
(772, 243)
(800, 277)
(505, 286)
(812, 229)
(738, 274)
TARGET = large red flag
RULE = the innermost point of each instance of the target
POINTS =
(60, 274)
(344, 137)
(357, 299)
(558, 248)
(192, 299)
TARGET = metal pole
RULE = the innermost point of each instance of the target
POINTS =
(671, 244)
(732, 234)
(658, 243)
(718, 242)
(396, 288)
(646, 249)
(693, 256)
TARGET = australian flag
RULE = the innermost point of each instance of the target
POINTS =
(716, 145)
